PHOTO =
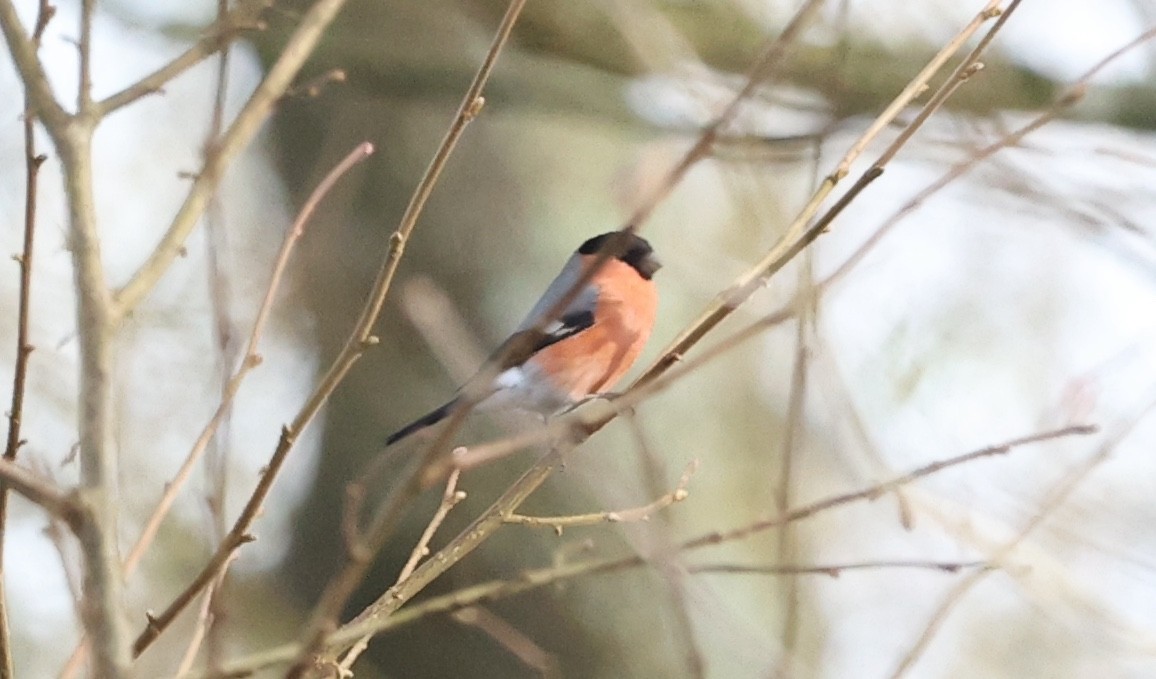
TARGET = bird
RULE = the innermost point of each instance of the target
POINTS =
(584, 351)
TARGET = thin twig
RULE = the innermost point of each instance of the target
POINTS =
(36, 86)
(251, 359)
(837, 569)
(886, 487)
(41, 491)
(786, 540)
(535, 579)
(797, 234)
(313, 87)
(530, 654)
(643, 513)
(1055, 497)
(235, 139)
(237, 536)
(451, 496)
(213, 617)
(84, 47)
(341, 587)
(32, 163)
(243, 17)
(202, 628)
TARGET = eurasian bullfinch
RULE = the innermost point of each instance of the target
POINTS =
(588, 348)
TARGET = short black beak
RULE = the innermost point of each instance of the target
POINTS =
(648, 266)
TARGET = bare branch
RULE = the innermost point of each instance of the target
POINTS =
(534, 579)
(530, 654)
(798, 235)
(1055, 497)
(32, 163)
(875, 491)
(243, 17)
(36, 84)
(450, 498)
(238, 535)
(835, 570)
(43, 492)
(232, 142)
(643, 513)
(341, 587)
(96, 326)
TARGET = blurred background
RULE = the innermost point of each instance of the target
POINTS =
(1018, 299)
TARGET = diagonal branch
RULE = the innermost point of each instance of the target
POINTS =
(797, 233)
(342, 586)
(242, 17)
(238, 535)
(40, 491)
(775, 260)
(240, 133)
(36, 84)
(535, 579)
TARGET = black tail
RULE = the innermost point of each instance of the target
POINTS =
(422, 422)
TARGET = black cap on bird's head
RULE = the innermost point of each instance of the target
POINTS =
(636, 252)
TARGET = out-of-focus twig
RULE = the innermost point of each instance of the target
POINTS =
(235, 139)
(451, 496)
(342, 586)
(238, 534)
(510, 638)
(534, 579)
(243, 17)
(1058, 494)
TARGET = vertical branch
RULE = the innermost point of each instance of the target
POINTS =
(84, 91)
(240, 132)
(217, 459)
(796, 406)
(95, 325)
(32, 163)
